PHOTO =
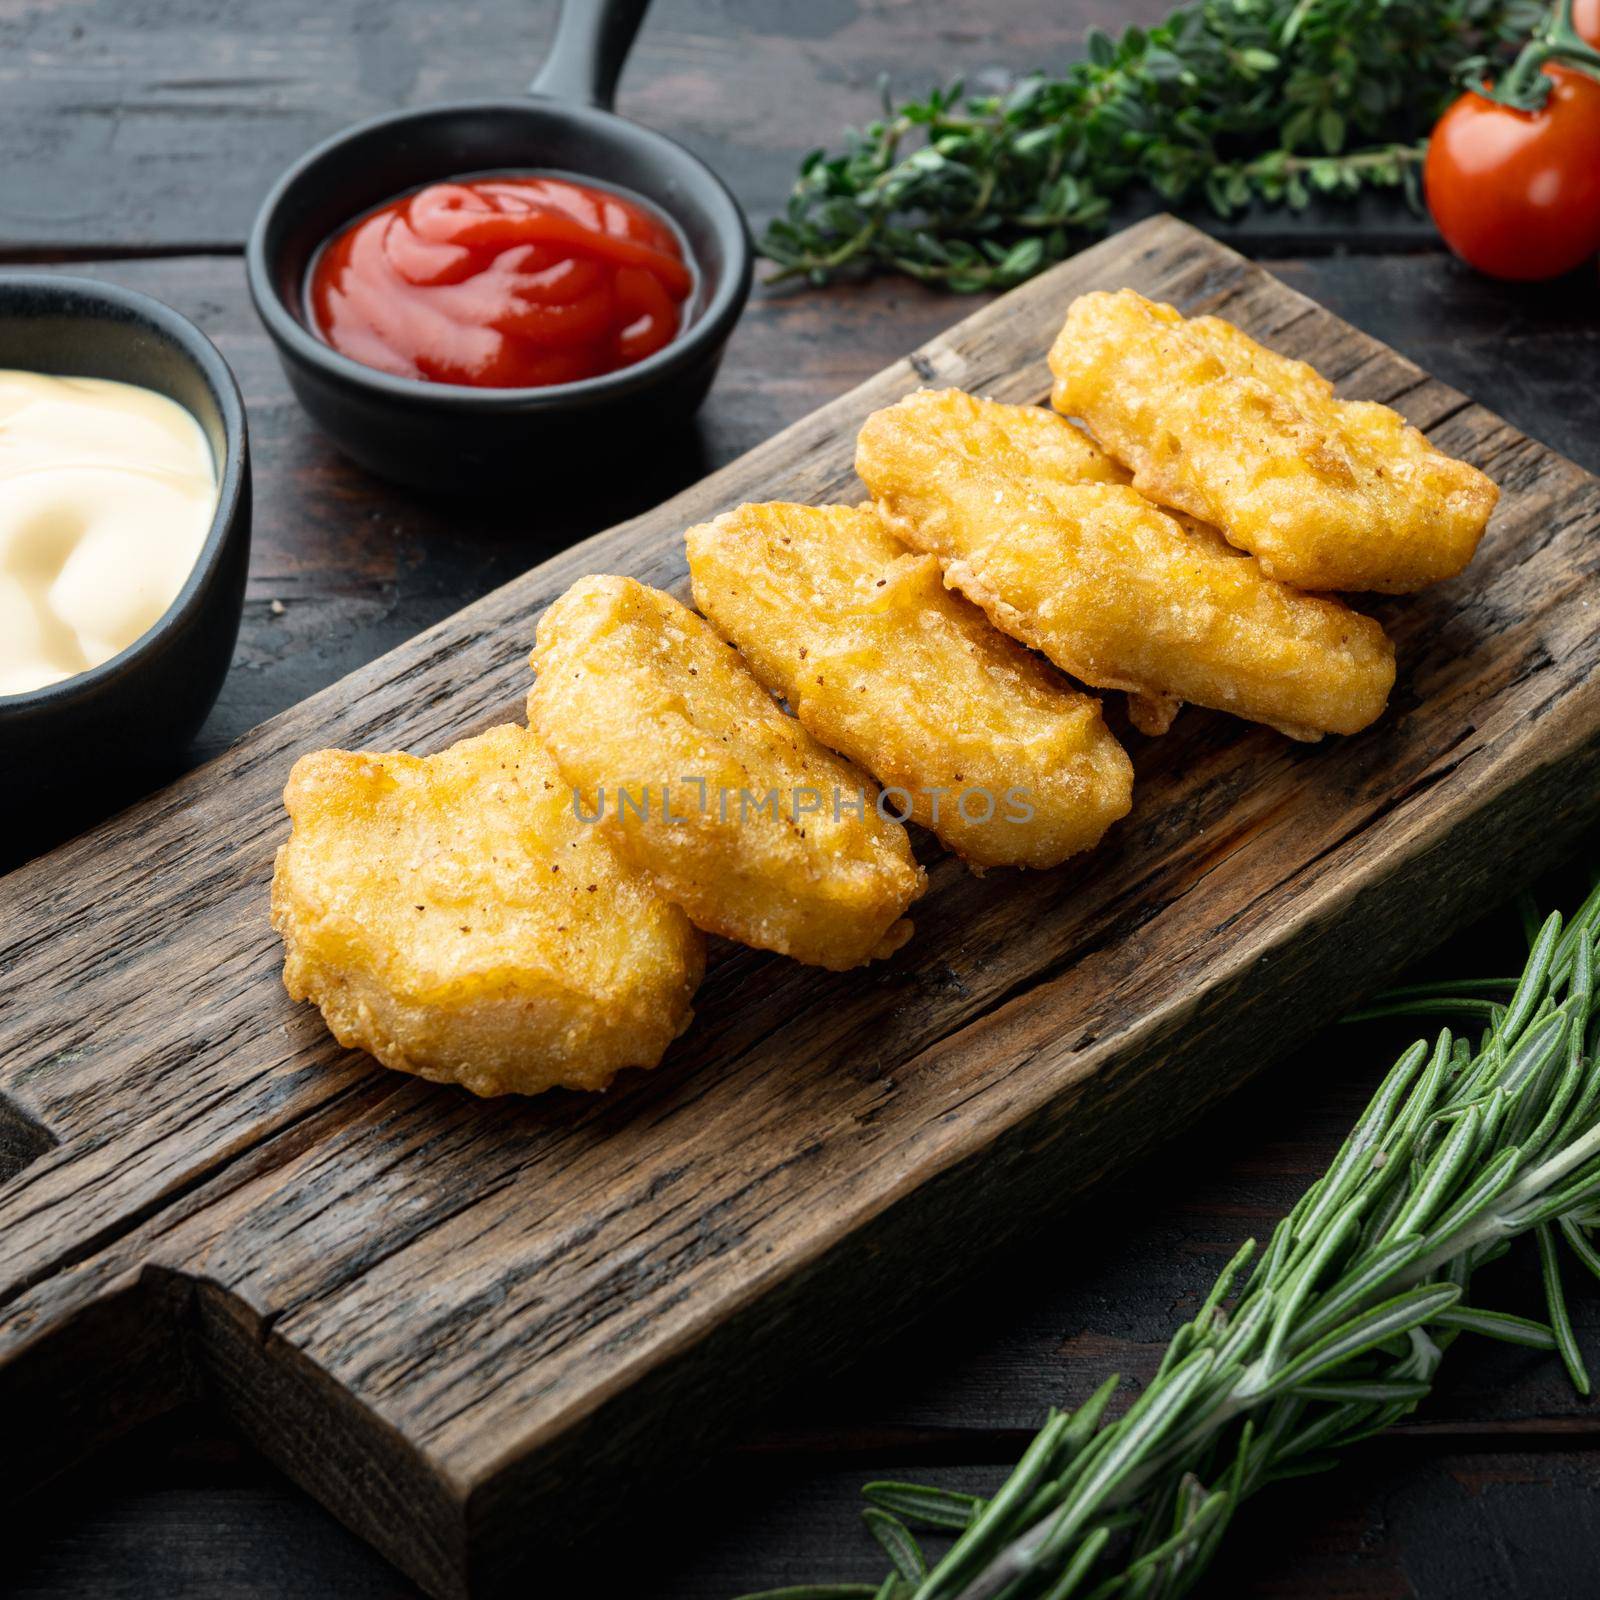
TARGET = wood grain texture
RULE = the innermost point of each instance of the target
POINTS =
(184, 1513)
(159, 127)
(456, 1323)
(1369, 1533)
(345, 567)
(181, 1510)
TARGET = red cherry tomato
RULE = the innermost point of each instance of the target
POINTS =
(1586, 21)
(1516, 194)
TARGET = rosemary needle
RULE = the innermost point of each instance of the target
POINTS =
(1332, 1333)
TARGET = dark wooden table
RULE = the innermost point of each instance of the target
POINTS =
(135, 142)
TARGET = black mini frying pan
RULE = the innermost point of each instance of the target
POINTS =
(444, 436)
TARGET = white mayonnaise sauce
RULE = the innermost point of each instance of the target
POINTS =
(107, 491)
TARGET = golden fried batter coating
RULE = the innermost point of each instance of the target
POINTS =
(696, 776)
(998, 755)
(451, 916)
(1108, 586)
(1327, 494)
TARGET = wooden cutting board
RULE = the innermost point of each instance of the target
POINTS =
(470, 1327)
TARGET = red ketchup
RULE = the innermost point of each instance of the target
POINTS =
(502, 283)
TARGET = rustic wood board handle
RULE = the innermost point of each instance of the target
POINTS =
(466, 1326)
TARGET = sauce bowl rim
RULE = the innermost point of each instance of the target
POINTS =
(712, 327)
(90, 299)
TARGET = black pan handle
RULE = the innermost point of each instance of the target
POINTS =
(591, 44)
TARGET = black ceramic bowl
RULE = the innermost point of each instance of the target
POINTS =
(445, 436)
(79, 747)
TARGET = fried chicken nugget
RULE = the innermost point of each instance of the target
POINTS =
(1109, 587)
(451, 916)
(998, 755)
(1327, 494)
(697, 777)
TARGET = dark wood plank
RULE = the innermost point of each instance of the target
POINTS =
(361, 569)
(1529, 349)
(137, 130)
(1397, 1525)
(442, 1315)
(185, 1510)
(357, 567)
(1104, 1295)
(345, 567)
(185, 1513)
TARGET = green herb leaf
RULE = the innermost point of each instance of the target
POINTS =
(924, 1506)
(1335, 1332)
(898, 1542)
(1499, 1325)
(1223, 105)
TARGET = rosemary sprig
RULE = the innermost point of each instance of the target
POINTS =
(1231, 101)
(1331, 1334)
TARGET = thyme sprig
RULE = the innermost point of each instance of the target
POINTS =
(1333, 1333)
(1231, 101)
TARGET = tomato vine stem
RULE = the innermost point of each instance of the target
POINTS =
(1526, 87)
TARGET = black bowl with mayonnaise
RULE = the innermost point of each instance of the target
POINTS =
(77, 748)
